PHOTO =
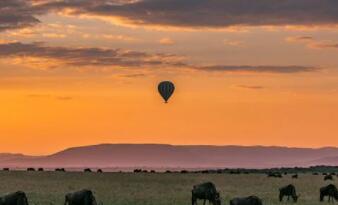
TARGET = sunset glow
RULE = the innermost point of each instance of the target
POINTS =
(85, 72)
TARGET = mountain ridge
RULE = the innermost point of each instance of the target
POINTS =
(173, 156)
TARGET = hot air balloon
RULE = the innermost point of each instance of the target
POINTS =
(166, 89)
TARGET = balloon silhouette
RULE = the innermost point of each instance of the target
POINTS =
(166, 89)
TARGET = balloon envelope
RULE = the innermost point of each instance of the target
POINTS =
(166, 89)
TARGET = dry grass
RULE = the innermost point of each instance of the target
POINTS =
(44, 188)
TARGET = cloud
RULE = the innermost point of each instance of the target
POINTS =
(322, 45)
(118, 37)
(177, 13)
(312, 43)
(166, 41)
(136, 75)
(205, 13)
(16, 14)
(38, 96)
(257, 69)
(299, 38)
(44, 57)
(54, 35)
(48, 96)
(64, 98)
(86, 56)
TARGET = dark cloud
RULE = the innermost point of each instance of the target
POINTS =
(258, 69)
(99, 57)
(210, 13)
(16, 14)
(88, 56)
(178, 13)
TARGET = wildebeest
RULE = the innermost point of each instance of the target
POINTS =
(295, 176)
(276, 174)
(60, 170)
(99, 171)
(288, 191)
(330, 191)
(5, 169)
(152, 171)
(40, 169)
(205, 191)
(137, 170)
(315, 173)
(16, 198)
(30, 169)
(87, 170)
(250, 200)
(328, 177)
(83, 197)
(235, 172)
(184, 171)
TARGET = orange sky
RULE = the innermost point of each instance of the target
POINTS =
(88, 77)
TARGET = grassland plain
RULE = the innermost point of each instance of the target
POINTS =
(47, 188)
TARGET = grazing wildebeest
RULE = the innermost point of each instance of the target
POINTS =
(5, 169)
(30, 169)
(99, 171)
(83, 197)
(16, 198)
(288, 191)
(60, 170)
(250, 200)
(330, 191)
(137, 170)
(184, 171)
(328, 177)
(87, 170)
(277, 175)
(40, 169)
(235, 172)
(152, 171)
(205, 191)
(295, 176)
(168, 171)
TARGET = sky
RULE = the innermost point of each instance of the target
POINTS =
(246, 72)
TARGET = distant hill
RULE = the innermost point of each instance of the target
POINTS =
(173, 156)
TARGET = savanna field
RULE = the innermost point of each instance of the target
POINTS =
(155, 188)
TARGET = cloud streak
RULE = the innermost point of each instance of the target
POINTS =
(177, 13)
(257, 69)
(312, 43)
(55, 57)
(204, 13)
(88, 56)
(16, 14)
